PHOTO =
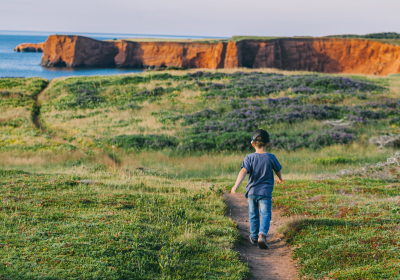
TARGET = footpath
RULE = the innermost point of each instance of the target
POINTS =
(273, 264)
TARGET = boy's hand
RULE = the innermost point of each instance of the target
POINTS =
(233, 190)
(279, 175)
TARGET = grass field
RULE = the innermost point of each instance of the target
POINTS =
(194, 120)
(343, 229)
(114, 226)
(122, 176)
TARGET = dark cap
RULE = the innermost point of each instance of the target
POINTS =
(260, 135)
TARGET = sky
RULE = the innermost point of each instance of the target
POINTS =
(216, 18)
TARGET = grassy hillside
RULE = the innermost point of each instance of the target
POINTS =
(182, 123)
(126, 172)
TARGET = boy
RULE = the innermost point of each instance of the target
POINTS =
(260, 185)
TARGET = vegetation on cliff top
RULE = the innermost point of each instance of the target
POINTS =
(383, 35)
(392, 38)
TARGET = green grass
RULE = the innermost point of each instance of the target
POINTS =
(86, 114)
(121, 226)
(342, 229)
(20, 92)
(18, 133)
(391, 38)
(57, 227)
(114, 106)
(26, 86)
(332, 160)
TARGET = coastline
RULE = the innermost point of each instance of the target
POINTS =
(323, 55)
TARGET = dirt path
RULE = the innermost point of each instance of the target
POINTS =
(272, 264)
(36, 110)
(36, 119)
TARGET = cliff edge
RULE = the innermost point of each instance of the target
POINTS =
(325, 55)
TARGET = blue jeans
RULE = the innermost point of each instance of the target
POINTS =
(257, 204)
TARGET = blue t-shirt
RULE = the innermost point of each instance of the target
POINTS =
(261, 177)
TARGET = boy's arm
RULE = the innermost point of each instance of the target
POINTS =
(241, 176)
(279, 174)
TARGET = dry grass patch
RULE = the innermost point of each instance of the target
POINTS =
(290, 226)
(26, 159)
(12, 113)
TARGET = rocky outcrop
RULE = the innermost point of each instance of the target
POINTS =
(164, 54)
(78, 51)
(326, 55)
(27, 47)
(351, 56)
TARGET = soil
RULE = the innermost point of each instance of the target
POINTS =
(275, 263)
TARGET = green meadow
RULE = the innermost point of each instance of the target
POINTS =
(122, 177)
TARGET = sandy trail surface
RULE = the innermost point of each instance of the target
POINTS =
(273, 264)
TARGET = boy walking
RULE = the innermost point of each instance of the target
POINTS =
(260, 166)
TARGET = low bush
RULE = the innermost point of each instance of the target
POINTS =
(264, 84)
(154, 142)
(332, 160)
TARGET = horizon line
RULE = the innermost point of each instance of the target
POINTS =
(109, 33)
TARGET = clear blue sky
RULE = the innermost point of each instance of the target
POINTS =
(203, 18)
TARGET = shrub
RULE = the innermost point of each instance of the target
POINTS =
(263, 84)
(332, 160)
(136, 141)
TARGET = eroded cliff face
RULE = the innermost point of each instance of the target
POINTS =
(326, 55)
(28, 47)
(329, 56)
(78, 51)
(164, 54)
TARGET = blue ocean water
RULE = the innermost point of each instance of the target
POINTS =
(24, 64)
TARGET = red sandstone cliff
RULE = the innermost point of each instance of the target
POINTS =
(27, 47)
(329, 56)
(164, 54)
(326, 55)
(78, 51)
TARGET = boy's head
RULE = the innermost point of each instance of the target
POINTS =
(260, 139)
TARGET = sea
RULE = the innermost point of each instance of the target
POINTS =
(27, 64)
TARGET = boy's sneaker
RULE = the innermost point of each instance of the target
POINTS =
(262, 242)
(252, 240)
